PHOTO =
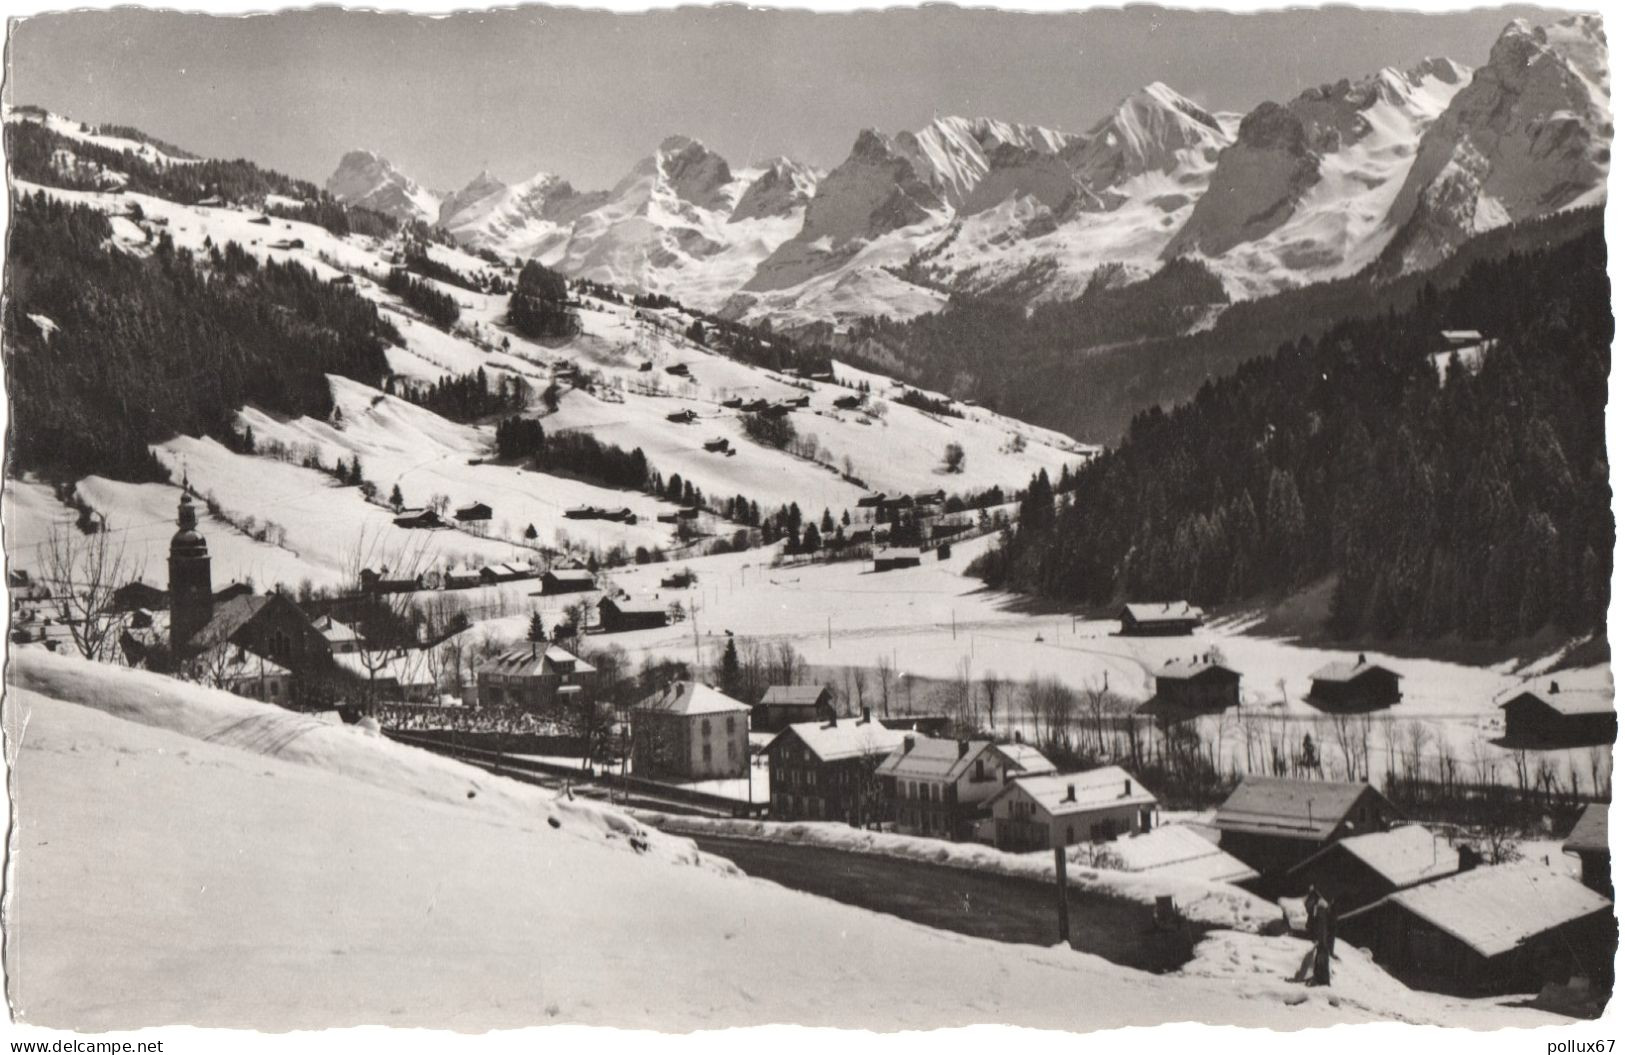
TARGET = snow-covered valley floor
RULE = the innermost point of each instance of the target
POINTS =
(183, 855)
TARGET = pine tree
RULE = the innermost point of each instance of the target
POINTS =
(536, 633)
(396, 502)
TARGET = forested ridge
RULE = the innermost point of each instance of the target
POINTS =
(138, 347)
(1477, 508)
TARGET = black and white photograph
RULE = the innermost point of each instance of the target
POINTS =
(729, 517)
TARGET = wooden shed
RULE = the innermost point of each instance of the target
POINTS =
(1357, 686)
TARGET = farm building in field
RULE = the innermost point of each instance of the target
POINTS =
(133, 595)
(940, 787)
(1064, 809)
(719, 445)
(461, 578)
(1361, 869)
(534, 676)
(418, 518)
(1199, 685)
(1159, 620)
(1357, 686)
(689, 731)
(783, 705)
(825, 770)
(380, 581)
(1549, 715)
(1498, 929)
(1275, 823)
(620, 614)
(892, 559)
(495, 573)
(567, 580)
(476, 512)
(1588, 840)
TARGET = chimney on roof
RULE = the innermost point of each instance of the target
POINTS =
(908, 744)
(1554, 687)
(1128, 787)
(1361, 663)
(964, 748)
(865, 719)
(1071, 793)
(1018, 736)
(833, 722)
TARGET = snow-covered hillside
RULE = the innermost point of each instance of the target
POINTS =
(295, 523)
(183, 855)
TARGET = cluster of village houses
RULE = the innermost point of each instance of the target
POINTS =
(1429, 910)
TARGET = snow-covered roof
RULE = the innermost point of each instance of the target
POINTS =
(1495, 909)
(931, 758)
(689, 698)
(792, 695)
(242, 665)
(1026, 757)
(1169, 611)
(1590, 832)
(1343, 671)
(406, 669)
(1404, 856)
(898, 553)
(845, 738)
(1305, 809)
(1178, 849)
(1573, 700)
(535, 661)
(1063, 794)
(1185, 669)
(335, 631)
(1461, 336)
(570, 574)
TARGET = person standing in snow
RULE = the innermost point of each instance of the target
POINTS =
(1324, 930)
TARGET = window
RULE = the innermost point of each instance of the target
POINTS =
(733, 750)
(981, 770)
(705, 727)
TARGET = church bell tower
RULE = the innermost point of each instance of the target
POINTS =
(191, 592)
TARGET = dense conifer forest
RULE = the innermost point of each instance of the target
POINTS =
(1476, 507)
(137, 347)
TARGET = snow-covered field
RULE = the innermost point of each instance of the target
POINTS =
(182, 855)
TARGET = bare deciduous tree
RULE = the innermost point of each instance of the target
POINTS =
(83, 572)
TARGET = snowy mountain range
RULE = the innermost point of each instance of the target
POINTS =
(1394, 169)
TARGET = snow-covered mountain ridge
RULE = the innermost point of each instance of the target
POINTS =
(1400, 165)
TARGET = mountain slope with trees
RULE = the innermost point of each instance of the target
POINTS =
(1475, 506)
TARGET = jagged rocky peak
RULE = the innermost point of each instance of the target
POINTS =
(783, 187)
(368, 179)
(1529, 135)
(1155, 129)
(694, 173)
(950, 155)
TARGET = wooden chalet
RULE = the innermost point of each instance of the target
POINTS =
(1588, 840)
(683, 417)
(533, 677)
(1490, 930)
(825, 770)
(419, 518)
(618, 615)
(505, 572)
(134, 595)
(478, 511)
(719, 445)
(461, 578)
(1275, 823)
(1159, 620)
(1362, 869)
(1551, 715)
(1187, 688)
(1064, 809)
(892, 559)
(1357, 686)
(567, 580)
(380, 581)
(783, 705)
(848, 402)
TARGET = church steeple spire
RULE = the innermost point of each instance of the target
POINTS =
(191, 588)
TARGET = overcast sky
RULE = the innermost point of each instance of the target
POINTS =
(585, 94)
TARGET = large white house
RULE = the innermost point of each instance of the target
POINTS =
(1063, 809)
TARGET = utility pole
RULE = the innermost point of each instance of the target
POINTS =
(829, 631)
(1063, 910)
